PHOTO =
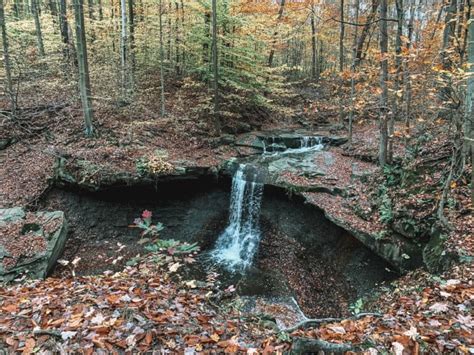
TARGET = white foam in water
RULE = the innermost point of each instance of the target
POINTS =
(307, 144)
(237, 245)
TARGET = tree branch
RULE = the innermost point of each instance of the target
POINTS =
(364, 24)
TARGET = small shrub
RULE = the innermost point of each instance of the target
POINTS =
(172, 247)
(386, 212)
(145, 224)
(154, 165)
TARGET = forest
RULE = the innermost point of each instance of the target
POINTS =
(237, 176)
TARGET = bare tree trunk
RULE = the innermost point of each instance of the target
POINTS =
(123, 48)
(84, 80)
(406, 74)
(53, 8)
(341, 38)
(170, 31)
(313, 44)
(101, 11)
(448, 34)
(469, 118)
(383, 83)
(183, 56)
(6, 60)
(353, 70)
(319, 68)
(39, 35)
(162, 58)
(366, 30)
(215, 60)
(465, 36)
(398, 78)
(131, 26)
(205, 45)
(177, 39)
(16, 9)
(64, 29)
(272, 48)
(114, 23)
(90, 7)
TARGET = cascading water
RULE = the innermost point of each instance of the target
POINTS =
(310, 143)
(307, 144)
(237, 245)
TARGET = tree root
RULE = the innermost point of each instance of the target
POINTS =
(306, 345)
(51, 332)
(312, 322)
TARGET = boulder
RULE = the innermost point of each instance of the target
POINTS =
(30, 243)
(250, 140)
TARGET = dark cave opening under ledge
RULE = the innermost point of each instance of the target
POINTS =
(301, 254)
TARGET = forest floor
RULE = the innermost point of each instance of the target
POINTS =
(152, 305)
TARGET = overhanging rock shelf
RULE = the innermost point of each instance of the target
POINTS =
(401, 252)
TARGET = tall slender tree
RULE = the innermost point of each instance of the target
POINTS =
(313, 42)
(183, 55)
(177, 38)
(39, 35)
(101, 11)
(272, 49)
(215, 60)
(90, 7)
(123, 49)
(353, 69)
(6, 60)
(366, 30)
(207, 39)
(383, 111)
(398, 76)
(448, 33)
(341, 37)
(162, 58)
(469, 118)
(406, 73)
(131, 39)
(84, 79)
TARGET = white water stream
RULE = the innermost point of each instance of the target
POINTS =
(237, 245)
(307, 144)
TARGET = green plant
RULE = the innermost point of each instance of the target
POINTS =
(386, 212)
(393, 174)
(172, 247)
(145, 224)
(357, 306)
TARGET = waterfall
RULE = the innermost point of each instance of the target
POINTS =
(311, 143)
(237, 245)
(307, 144)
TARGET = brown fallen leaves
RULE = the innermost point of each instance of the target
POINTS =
(145, 307)
(434, 319)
